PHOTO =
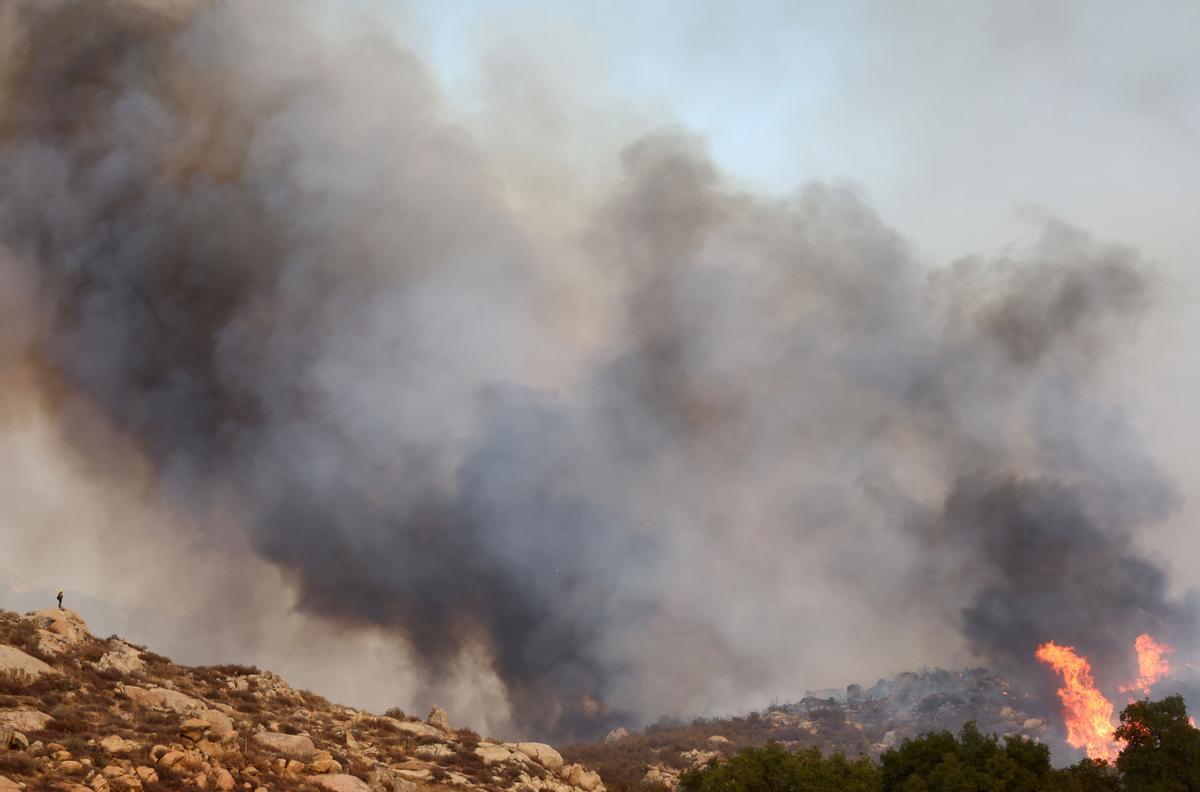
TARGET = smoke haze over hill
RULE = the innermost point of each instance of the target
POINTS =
(648, 449)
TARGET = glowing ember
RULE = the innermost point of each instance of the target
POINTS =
(1152, 663)
(1087, 712)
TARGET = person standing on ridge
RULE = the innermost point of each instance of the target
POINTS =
(60, 593)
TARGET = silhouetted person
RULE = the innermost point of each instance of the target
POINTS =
(60, 593)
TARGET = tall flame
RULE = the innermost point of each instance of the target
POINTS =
(1087, 712)
(1152, 663)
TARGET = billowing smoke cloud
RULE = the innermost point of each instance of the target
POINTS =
(256, 247)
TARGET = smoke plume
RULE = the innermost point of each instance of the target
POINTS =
(254, 248)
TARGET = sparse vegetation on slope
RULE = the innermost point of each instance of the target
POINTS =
(84, 714)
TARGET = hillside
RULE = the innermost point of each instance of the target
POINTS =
(84, 714)
(857, 721)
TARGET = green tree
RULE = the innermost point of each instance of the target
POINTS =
(773, 769)
(938, 762)
(1162, 748)
(1088, 775)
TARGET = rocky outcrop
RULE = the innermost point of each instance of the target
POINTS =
(15, 662)
(121, 658)
(439, 719)
(289, 746)
(541, 753)
(587, 780)
(616, 734)
(340, 783)
(24, 719)
(161, 698)
(58, 629)
(144, 723)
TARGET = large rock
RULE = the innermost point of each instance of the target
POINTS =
(587, 780)
(541, 753)
(121, 658)
(8, 785)
(13, 660)
(162, 698)
(63, 622)
(413, 727)
(219, 723)
(618, 733)
(24, 719)
(438, 719)
(339, 782)
(115, 744)
(491, 753)
(289, 746)
(59, 629)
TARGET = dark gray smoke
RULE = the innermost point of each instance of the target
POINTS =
(259, 249)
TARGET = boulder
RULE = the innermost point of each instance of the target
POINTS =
(434, 751)
(13, 660)
(325, 765)
(219, 723)
(541, 753)
(491, 753)
(616, 734)
(8, 785)
(698, 757)
(161, 698)
(579, 776)
(224, 780)
(661, 776)
(115, 744)
(413, 727)
(122, 658)
(339, 782)
(13, 740)
(438, 719)
(194, 729)
(289, 746)
(24, 719)
(62, 622)
(717, 741)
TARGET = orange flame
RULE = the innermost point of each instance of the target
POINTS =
(1152, 663)
(1087, 712)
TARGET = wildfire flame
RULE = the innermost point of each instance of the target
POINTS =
(1087, 712)
(1152, 663)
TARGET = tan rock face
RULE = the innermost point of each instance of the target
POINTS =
(340, 783)
(491, 753)
(219, 723)
(161, 698)
(289, 746)
(13, 660)
(578, 776)
(8, 785)
(122, 658)
(224, 781)
(63, 622)
(618, 733)
(541, 753)
(439, 719)
(412, 727)
(115, 744)
(24, 719)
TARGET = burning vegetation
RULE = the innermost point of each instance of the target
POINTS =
(1087, 713)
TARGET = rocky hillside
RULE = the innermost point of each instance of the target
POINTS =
(84, 714)
(855, 721)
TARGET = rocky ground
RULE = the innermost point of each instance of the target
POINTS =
(84, 714)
